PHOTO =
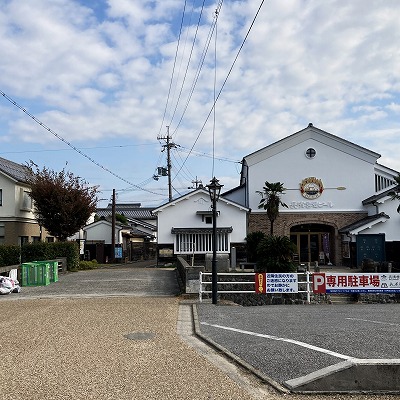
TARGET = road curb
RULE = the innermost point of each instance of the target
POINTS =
(264, 378)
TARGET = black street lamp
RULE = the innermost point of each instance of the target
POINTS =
(214, 189)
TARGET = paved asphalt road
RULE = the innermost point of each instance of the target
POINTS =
(277, 339)
(115, 281)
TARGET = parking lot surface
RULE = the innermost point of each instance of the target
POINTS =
(287, 342)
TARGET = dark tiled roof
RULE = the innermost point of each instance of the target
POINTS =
(13, 170)
(134, 222)
(363, 221)
(133, 212)
(201, 230)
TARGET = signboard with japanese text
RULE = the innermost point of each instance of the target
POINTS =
(118, 252)
(276, 283)
(356, 283)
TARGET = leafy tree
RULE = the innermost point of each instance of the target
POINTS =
(395, 194)
(121, 218)
(253, 239)
(63, 202)
(271, 200)
(275, 254)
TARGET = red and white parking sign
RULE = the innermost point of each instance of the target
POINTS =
(355, 283)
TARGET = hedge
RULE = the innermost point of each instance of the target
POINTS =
(14, 255)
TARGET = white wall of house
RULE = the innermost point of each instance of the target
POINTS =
(101, 230)
(336, 163)
(182, 214)
(15, 201)
(390, 227)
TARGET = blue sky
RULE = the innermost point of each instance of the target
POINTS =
(98, 74)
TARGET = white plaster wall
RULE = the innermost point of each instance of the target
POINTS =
(9, 193)
(183, 215)
(391, 227)
(335, 168)
(102, 232)
(11, 200)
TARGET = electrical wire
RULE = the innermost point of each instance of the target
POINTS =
(188, 63)
(225, 80)
(71, 145)
(197, 74)
(202, 154)
(173, 68)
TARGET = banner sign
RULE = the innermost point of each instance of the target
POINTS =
(355, 283)
(276, 283)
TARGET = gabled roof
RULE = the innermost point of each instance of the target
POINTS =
(103, 222)
(17, 172)
(380, 196)
(311, 132)
(194, 192)
(233, 190)
(365, 223)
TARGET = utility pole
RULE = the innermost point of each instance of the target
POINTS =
(113, 227)
(169, 145)
(196, 184)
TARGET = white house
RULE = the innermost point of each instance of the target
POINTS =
(184, 225)
(336, 193)
(17, 220)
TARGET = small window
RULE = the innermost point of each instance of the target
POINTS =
(310, 153)
(26, 201)
(208, 219)
(2, 234)
(1, 197)
(24, 239)
(49, 239)
(36, 239)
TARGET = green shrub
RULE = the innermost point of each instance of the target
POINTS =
(253, 239)
(83, 265)
(49, 251)
(275, 254)
(9, 255)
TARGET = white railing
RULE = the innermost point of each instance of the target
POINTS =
(304, 285)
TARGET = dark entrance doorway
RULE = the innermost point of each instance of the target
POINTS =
(314, 243)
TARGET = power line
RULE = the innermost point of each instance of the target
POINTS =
(71, 145)
(80, 148)
(197, 74)
(188, 62)
(173, 69)
(225, 80)
(200, 153)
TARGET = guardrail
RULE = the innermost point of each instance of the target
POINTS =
(303, 280)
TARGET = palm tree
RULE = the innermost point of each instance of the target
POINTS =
(271, 200)
(395, 194)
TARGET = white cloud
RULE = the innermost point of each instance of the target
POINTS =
(104, 73)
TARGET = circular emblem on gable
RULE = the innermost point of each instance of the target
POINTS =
(311, 188)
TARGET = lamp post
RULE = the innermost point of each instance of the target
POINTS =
(214, 189)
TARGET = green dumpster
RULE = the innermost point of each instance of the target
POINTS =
(35, 274)
(53, 265)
